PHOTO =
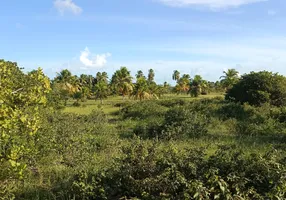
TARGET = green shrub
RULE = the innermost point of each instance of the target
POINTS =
(173, 102)
(150, 128)
(76, 104)
(182, 121)
(143, 110)
(145, 172)
(258, 88)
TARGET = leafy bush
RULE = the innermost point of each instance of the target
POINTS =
(173, 102)
(76, 104)
(149, 128)
(258, 88)
(145, 172)
(181, 121)
(143, 110)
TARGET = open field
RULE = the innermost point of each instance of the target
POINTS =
(109, 108)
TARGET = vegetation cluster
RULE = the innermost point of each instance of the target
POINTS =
(141, 140)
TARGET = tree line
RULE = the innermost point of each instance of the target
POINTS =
(66, 85)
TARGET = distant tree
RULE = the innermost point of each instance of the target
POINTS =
(64, 76)
(122, 82)
(101, 76)
(183, 84)
(101, 90)
(139, 74)
(140, 91)
(176, 75)
(151, 75)
(186, 76)
(68, 82)
(258, 88)
(230, 78)
(198, 86)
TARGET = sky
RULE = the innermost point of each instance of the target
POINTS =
(202, 37)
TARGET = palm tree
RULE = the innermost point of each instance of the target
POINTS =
(183, 84)
(101, 91)
(143, 90)
(186, 76)
(196, 86)
(64, 76)
(176, 75)
(122, 82)
(230, 78)
(151, 75)
(102, 77)
(139, 74)
(67, 81)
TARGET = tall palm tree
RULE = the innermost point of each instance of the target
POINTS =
(101, 91)
(196, 86)
(67, 81)
(144, 90)
(230, 78)
(64, 76)
(122, 82)
(151, 75)
(101, 77)
(186, 76)
(139, 74)
(183, 84)
(176, 75)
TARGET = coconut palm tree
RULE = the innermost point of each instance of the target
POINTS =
(64, 76)
(122, 82)
(101, 91)
(176, 75)
(101, 77)
(151, 75)
(196, 86)
(67, 81)
(143, 90)
(139, 74)
(230, 78)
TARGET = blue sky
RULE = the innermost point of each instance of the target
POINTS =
(193, 36)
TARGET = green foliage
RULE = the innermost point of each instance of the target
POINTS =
(258, 88)
(182, 121)
(101, 90)
(145, 172)
(21, 96)
(149, 128)
(230, 78)
(143, 110)
(121, 82)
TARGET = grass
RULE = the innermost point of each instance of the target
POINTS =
(109, 108)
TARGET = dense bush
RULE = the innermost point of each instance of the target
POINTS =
(144, 109)
(258, 88)
(173, 102)
(182, 121)
(145, 172)
(149, 128)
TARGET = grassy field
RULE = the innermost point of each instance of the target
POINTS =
(109, 108)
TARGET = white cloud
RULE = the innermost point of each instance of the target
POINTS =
(272, 12)
(67, 6)
(97, 61)
(212, 4)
